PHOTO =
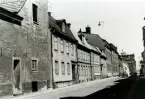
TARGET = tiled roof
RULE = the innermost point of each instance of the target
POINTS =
(95, 48)
(95, 40)
(12, 5)
(69, 33)
(56, 24)
(52, 23)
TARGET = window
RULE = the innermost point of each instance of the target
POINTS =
(35, 13)
(80, 55)
(62, 45)
(84, 56)
(55, 43)
(79, 69)
(34, 65)
(68, 68)
(62, 68)
(63, 27)
(82, 72)
(56, 67)
(88, 57)
(67, 48)
(87, 70)
(72, 47)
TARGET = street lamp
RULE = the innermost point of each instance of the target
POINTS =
(100, 23)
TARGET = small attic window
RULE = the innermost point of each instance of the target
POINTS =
(63, 27)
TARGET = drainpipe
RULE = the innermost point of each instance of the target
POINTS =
(77, 76)
(91, 67)
(52, 61)
(100, 69)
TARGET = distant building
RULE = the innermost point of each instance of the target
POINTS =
(130, 60)
(84, 59)
(126, 70)
(104, 72)
(108, 52)
(143, 53)
(95, 40)
(115, 60)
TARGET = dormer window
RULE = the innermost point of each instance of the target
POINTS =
(63, 27)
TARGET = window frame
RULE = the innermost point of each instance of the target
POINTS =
(62, 62)
(55, 43)
(67, 47)
(62, 45)
(68, 69)
(36, 67)
(57, 73)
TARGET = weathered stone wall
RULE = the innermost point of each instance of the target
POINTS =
(26, 41)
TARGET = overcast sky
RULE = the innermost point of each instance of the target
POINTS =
(123, 20)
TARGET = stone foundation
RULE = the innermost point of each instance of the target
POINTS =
(62, 84)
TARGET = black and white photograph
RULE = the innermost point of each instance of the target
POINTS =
(72, 49)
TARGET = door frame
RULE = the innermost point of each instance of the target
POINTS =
(16, 58)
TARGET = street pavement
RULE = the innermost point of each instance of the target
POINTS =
(110, 88)
(130, 88)
(78, 90)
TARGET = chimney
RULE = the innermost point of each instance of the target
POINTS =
(49, 13)
(88, 30)
(69, 25)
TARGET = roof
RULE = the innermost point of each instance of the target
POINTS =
(10, 16)
(52, 23)
(106, 44)
(56, 24)
(95, 40)
(127, 55)
(69, 33)
(84, 44)
(103, 54)
(12, 5)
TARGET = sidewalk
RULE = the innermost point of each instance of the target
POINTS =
(68, 88)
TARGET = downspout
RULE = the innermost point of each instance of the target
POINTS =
(77, 77)
(111, 64)
(91, 67)
(53, 86)
(100, 68)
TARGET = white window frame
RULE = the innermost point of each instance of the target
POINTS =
(56, 72)
(63, 27)
(62, 45)
(63, 73)
(55, 43)
(68, 68)
(67, 47)
(36, 67)
(72, 48)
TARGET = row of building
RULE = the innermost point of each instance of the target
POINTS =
(39, 52)
(142, 68)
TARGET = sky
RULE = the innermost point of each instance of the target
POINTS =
(122, 20)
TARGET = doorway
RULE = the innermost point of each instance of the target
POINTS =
(17, 84)
(34, 86)
(73, 73)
